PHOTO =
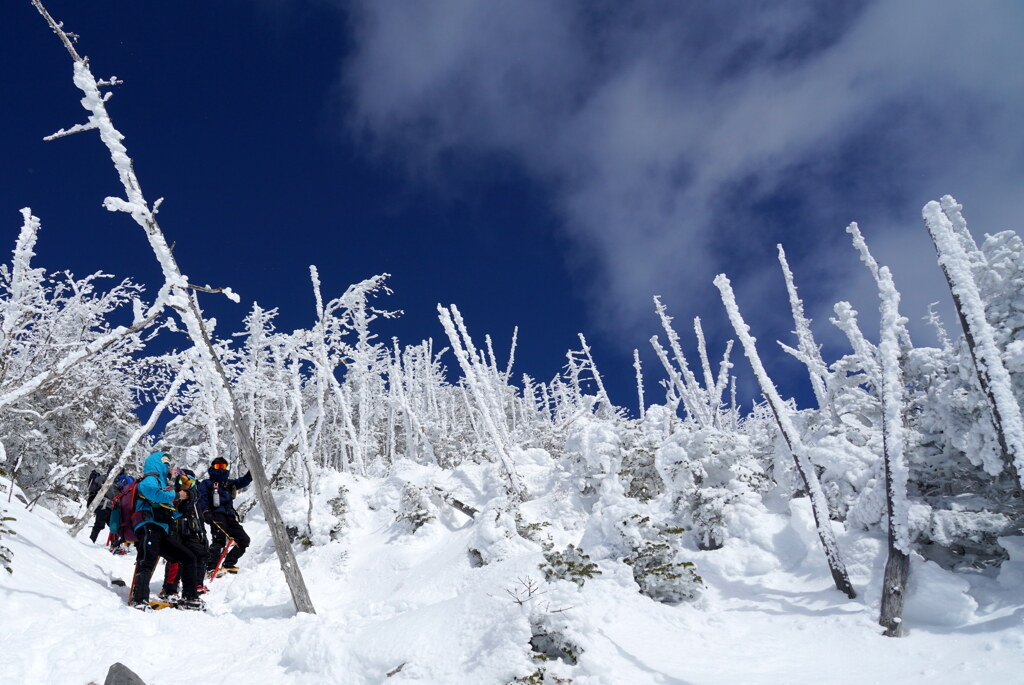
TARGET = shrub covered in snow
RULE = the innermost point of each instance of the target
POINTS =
(339, 508)
(6, 556)
(710, 472)
(571, 564)
(415, 509)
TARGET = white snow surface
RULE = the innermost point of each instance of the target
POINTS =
(386, 599)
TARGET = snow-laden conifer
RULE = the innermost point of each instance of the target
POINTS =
(483, 391)
(807, 350)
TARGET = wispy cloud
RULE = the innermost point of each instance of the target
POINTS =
(682, 139)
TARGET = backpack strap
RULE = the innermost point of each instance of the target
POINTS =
(139, 482)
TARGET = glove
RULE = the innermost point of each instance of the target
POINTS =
(208, 517)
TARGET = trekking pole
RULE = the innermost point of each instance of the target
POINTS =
(135, 575)
(131, 590)
(224, 553)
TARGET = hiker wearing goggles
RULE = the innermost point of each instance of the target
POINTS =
(188, 529)
(216, 506)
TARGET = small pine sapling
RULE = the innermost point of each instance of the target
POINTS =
(548, 643)
(657, 570)
(6, 555)
(416, 510)
(339, 508)
(571, 564)
(534, 532)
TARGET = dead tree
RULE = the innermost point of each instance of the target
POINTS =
(897, 566)
(819, 506)
(944, 223)
(181, 299)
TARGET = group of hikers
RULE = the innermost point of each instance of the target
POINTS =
(165, 514)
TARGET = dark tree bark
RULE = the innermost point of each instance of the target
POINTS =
(897, 569)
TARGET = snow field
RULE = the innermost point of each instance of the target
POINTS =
(388, 599)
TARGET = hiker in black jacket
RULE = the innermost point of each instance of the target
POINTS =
(188, 529)
(216, 506)
(105, 505)
(95, 481)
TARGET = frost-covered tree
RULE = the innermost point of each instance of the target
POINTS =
(178, 295)
(945, 223)
(68, 375)
(795, 446)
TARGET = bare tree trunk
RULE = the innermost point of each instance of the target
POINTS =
(819, 507)
(988, 363)
(897, 570)
(250, 455)
(897, 567)
(185, 304)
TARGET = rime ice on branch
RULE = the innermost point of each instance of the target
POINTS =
(178, 297)
(486, 392)
(897, 566)
(992, 374)
(819, 506)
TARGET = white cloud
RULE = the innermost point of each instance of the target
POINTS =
(672, 134)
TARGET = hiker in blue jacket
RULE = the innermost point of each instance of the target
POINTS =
(217, 507)
(154, 510)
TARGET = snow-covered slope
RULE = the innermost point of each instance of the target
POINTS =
(414, 605)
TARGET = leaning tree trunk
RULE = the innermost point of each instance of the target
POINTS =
(988, 362)
(139, 433)
(897, 567)
(183, 303)
(819, 506)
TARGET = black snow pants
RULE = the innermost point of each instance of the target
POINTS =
(227, 523)
(152, 544)
(101, 522)
(173, 572)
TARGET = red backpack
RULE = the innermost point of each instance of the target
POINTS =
(124, 505)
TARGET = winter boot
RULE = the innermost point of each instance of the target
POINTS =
(169, 593)
(192, 604)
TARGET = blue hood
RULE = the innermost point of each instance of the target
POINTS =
(154, 465)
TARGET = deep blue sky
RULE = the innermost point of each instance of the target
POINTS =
(545, 164)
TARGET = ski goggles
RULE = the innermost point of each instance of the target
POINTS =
(220, 467)
(185, 481)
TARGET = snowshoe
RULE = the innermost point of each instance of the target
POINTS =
(157, 605)
(230, 569)
(193, 604)
(169, 595)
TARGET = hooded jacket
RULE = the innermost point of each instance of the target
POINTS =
(225, 487)
(154, 492)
